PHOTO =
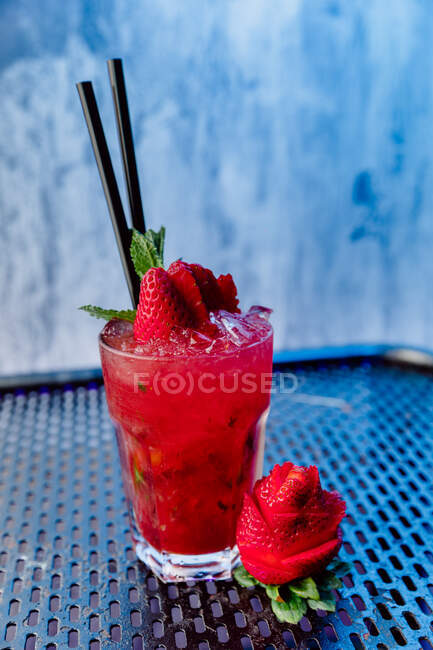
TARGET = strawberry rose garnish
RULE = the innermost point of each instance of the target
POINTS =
(289, 526)
(288, 532)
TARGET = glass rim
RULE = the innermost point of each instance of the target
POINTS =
(178, 357)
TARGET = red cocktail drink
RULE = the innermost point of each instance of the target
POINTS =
(190, 415)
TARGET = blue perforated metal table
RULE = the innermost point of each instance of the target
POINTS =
(68, 574)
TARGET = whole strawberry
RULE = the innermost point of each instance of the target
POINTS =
(161, 308)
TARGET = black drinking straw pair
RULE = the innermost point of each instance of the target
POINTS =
(106, 171)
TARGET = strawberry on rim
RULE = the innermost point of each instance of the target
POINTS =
(183, 279)
(160, 308)
(183, 297)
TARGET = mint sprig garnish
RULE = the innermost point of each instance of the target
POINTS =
(147, 251)
(159, 241)
(108, 314)
(290, 601)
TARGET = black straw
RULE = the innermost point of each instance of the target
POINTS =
(109, 184)
(117, 81)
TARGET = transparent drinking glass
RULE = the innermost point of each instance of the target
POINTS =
(191, 432)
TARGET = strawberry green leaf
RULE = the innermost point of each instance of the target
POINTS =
(108, 314)
(244, 578)
(273, 591)
(305, 588)
(329, 581)
(340, 569)
(290, 611)
(326, 602)
(147, 250)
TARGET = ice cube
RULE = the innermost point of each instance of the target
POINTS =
(257, 311)
(235, 327)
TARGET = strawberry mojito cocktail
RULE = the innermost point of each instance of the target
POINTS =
(187, 380)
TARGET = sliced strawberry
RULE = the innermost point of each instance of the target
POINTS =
(160, 308)
(186, 284)
(214, 294)
(208, 286)
(229, 293)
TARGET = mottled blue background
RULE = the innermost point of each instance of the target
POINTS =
(289, 142)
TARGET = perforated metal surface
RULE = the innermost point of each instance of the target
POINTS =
(68, 575)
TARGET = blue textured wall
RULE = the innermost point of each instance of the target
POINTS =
(290, 142)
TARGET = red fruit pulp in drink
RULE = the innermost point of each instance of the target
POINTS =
(190, 420)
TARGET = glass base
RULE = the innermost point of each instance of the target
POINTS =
(174, 567)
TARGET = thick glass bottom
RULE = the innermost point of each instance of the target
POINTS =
(174, 567)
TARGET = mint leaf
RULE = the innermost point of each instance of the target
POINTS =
(244, 578)
(305, 588)
(290, 611)
(158, 240)
(272, 592)
(326, 602)
(147, 250)
(108, 314)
